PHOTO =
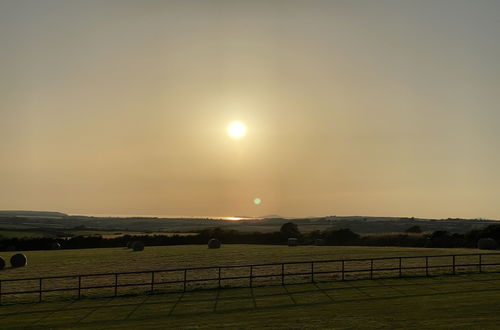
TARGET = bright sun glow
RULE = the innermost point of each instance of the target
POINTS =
(236, 130)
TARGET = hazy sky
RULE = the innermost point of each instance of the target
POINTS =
(352, 107)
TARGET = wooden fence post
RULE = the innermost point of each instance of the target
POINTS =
(312, 271)
(371, 269)
(480, 263)
(251, 276)
(185, 278)
(152, 282)
(400, 269)
(283, 274)
(426, 266)
(343, 270)
(219, 279)
(453, 268)
(79, 286)
(116, 284)
(40, 290)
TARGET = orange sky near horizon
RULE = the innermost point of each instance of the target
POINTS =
(383, 108)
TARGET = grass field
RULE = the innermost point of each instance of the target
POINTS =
(64, 262)
(453, 302)
(461, 301)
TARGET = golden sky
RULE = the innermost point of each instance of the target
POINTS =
(387, 107)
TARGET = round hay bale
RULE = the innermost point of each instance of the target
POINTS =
(138, 246)
(214, 243)
(293, 242)
(2, 263)
(55, 246)
(319, 242)
(487, 244)
(18, 260)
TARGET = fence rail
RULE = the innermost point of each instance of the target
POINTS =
(249, 275)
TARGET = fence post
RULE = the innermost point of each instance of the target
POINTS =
(371, 269)
(0, 292)
(453, 270)
(251, 276)
(282, 274)
(116, 284)
(480, 263)
(79, 286)
(400, 270)
(152, 281)
(312, 271)
(342, 270)
(219, 278)
(40, 291)
(185, 278)
(426, 266)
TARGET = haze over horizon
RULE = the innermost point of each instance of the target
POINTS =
(378, 108)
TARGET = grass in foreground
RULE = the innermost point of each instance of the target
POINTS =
(448, 302)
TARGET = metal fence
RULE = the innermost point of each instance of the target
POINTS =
(211, 277)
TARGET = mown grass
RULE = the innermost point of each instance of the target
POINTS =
(75, 262)
(448, 302)
(66, 262)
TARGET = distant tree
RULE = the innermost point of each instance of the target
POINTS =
(290, 229)
(315, 234)
(492, 231)
(440, 239)
(343, 236)
(414, 229)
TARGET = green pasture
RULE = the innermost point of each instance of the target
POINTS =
(446, 302)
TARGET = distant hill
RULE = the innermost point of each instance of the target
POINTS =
(57, 221)
(21, 213)
(272, 216)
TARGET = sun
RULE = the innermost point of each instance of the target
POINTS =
(236, 130)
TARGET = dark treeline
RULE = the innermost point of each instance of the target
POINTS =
(413, 237)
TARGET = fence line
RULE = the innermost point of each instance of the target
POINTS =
(313, 269)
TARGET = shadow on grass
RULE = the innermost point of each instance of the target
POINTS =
(146, 307)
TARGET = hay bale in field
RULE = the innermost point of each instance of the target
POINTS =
(2, 263)
(214, 243)
(293, 241)
(319, 242)
(487, 244)
(18, 260)
(138, 246)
